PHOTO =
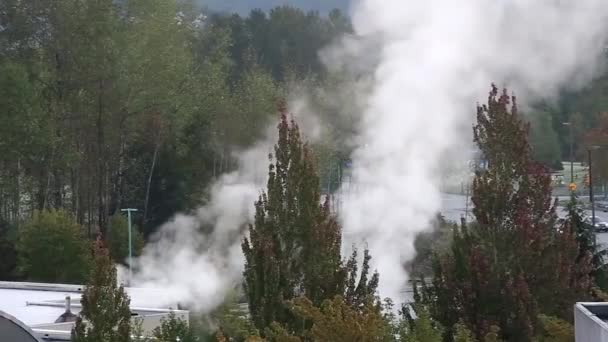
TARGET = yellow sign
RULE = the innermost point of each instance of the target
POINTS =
(572, 186)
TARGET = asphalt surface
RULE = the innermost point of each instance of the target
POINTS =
(455, 206)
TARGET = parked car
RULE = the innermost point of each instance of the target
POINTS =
(601, 227)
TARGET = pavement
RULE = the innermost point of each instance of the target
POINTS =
(455, 206)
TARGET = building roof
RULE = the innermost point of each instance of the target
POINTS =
(40, 305)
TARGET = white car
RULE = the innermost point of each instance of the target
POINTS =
(601, 227)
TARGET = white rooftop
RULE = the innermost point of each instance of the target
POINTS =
(38, 305)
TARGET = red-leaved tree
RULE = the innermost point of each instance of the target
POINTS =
(515, 262)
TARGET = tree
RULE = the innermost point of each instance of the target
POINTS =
(52, 248)
(484, 281)
(118, 239)
(585, 236)
(544, 141)
(8, 262)
(233, 320)
(335, 320)
(555, 330)
(105, 314)
(421, 329)
(173, 329)
(26, 136)
(463, 334)
(598, 136)
(293, 248)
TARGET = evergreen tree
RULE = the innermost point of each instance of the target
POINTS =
(514, 262)
(294, 244)
(585, 236)
(105, 314)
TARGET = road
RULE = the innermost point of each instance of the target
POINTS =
(455, 206)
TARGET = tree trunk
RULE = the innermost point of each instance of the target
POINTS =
(17, 192)
(154, 157)
(101, 172)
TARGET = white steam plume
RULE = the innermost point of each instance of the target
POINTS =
(432, 61)
(196, 259)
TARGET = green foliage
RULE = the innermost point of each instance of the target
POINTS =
(544, 141)
(421, 329)
(555, 330)
(173, 329)
(598, 136)
(463, 334)
(585, 237)
(118, 239)
(105, 314)
(289, 218)
(234, 321)
(335, 320)
(8, 262)
(52, 248)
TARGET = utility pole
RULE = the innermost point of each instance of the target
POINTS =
(569, 124)
(129, 210)
(591, 197)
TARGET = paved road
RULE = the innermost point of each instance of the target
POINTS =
(455, 206)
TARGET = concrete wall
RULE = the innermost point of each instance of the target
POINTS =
(587, 326)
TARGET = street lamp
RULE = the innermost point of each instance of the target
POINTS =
(591, 197)
(129, 210)
(569, 124)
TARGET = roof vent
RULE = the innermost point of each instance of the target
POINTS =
(67, 316)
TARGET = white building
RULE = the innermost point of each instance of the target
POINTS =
(41, 309)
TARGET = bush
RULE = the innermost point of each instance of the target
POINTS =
(51, 248)
(118, 239)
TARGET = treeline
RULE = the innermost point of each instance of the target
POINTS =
(107, 105)
(575, 120)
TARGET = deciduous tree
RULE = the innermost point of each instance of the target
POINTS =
(52, 248)
(515, 261)
(293, 248)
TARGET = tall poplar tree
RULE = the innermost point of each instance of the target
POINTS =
(293, 248)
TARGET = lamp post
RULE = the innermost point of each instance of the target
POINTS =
(591, 197)
(569, 124)
(129, 210)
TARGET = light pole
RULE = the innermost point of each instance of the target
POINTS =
(591, 197)
(129, 210)
(569, 124)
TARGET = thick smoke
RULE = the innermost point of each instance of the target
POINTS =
(434, 59)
